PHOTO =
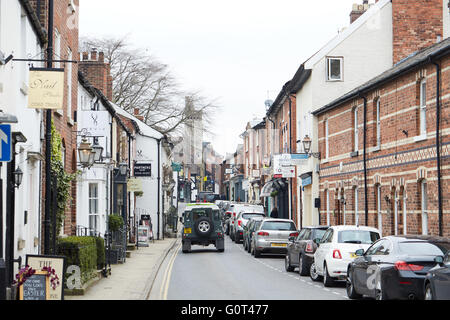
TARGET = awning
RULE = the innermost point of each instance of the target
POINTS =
(267, 189)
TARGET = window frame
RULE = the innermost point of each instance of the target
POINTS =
(423, 106)
(341, 69)
(378, 122)
(424, 206)
(355, 130)
(96, 214)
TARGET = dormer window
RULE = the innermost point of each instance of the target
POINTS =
(335, 69)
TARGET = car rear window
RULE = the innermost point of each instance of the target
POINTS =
(318, 233)
(196, 214)
(357, 236)
(252, 215)
(279, 225)
(424, 248)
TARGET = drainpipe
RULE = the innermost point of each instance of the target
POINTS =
(438, 142)
(159, 183)
(290, 150)
(366, 199)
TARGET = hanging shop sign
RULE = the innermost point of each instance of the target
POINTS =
(142, 169)
(134, 185)
(46, 88)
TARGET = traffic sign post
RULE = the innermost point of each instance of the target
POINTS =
(6, 144)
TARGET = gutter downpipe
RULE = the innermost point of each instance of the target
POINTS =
(438, 142)
(366, 200)
(159, 183)
(290, 150)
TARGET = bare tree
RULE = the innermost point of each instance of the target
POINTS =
(141, 82)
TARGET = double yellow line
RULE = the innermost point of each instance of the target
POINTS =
(165, 284)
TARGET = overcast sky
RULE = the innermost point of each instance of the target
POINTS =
(240, 52)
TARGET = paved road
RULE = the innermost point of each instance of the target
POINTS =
(205, 274)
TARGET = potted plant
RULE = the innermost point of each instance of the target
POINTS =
(115, 222)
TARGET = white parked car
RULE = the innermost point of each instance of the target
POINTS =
(337, 250)
(235, 209)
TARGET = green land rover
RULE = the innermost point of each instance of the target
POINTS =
(202, 226)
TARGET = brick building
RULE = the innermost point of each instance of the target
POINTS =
(65, 47)
(384, 144)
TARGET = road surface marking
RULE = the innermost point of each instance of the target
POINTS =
(165, 285)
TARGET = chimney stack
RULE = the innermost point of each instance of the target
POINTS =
(136, 114)
(358, 10)
(97, 72)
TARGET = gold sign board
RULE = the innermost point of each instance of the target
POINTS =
(46, 89)
(134, 185)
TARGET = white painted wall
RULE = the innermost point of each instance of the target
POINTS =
(17, 36)
(366, 48)
(95, 123)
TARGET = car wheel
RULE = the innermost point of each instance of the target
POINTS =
(351, 291)
(257, 253)
(302, 267)
(244, 243)
(221, 250)
(313, 273)
(252, 251)
(327, 280)
(429, 292)
(287, 263)
(380, 293)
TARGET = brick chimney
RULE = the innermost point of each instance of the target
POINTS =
(358, 10)
(97, 72)
(416, 25)
(137, 114)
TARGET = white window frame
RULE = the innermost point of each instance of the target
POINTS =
(356, 205)
(95, 214)
(423, 106)
(378, 106)
(327, 145)
(69, 85)
(380, 217)
(404, 198)
(424, 206)
(341, 64)
(396, 212)
(327, 192)
(57, 49)
(356, 130)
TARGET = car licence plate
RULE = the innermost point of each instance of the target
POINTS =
(188, 230)
(283, 245)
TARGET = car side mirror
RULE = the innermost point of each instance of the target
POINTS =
(317, 241)
(181, 219)
(359, 252)
(291, 239)
(439, 260)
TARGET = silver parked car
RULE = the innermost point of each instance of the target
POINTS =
(272, 236)
(242, 220)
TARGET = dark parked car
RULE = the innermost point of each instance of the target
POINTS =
(249, 229)
(437, 282)
(394, 267)
(300, 250)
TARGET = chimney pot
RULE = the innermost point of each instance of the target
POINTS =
(94, 55)
(101, 57)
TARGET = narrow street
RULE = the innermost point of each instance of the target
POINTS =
(205, 274)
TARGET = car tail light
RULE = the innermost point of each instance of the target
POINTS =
(234, 214)
(403, 266)
(337, 254)
(263, 234)
(309, 247)
(294, 234)
(239, 223)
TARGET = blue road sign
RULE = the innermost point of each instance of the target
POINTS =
(5, 141)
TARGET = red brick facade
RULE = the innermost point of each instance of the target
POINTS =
(416, 25)
(398, 166)
(66, 24)
(97, 72)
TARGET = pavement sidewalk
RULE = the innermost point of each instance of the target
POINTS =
(133, 279)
